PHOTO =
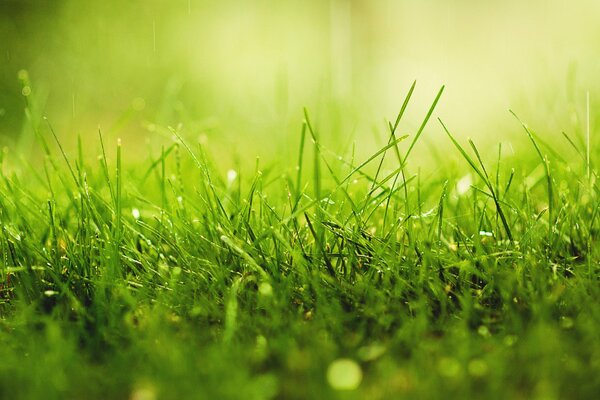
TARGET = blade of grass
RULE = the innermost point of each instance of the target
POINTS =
(546, 163)
(482, 175)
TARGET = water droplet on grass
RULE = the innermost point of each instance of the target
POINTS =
(23, 75)
(463, 185)
(510, 340)
(477, 368)
(231, 176)
(371, 352)
(143, 393)
(449, 367)
(484, 331)
(344, 374)
(566, 322)
(136, 213)
(265, 289)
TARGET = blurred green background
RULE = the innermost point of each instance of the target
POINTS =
(239, 72)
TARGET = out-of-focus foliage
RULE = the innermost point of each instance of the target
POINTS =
(229, 66)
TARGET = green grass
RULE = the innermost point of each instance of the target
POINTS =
(172, 279)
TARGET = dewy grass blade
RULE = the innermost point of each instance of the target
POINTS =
(374, 156)
(300, 165)
(587, 136)
(546, 163)
(484, 177)
(105, 167)
(392, 137)
(423, 124)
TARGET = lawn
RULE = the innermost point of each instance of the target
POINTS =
(321, 277)
(324, 265)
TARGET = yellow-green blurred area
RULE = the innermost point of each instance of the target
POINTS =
(238, 73)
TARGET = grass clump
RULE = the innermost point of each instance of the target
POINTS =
(333, 277)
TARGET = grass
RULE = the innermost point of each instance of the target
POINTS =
(324, 277)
